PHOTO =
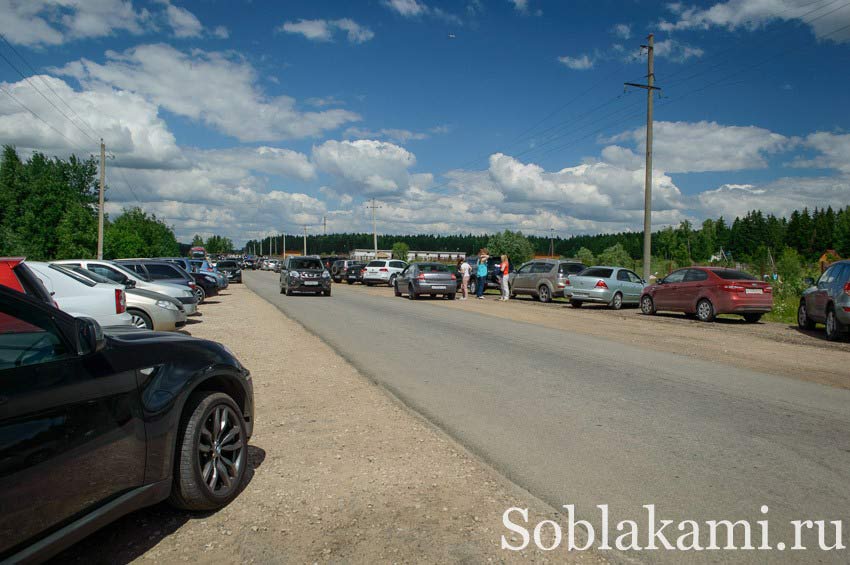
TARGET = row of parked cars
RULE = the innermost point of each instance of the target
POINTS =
(100, 415)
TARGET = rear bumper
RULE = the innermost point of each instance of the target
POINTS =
(449, 287)
(744, 304)
(601, 295)
(376, 277)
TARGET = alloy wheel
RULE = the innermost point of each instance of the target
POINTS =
(543, 293)
(647, 306)
(138, 322)
(221, 450)
(705, 311)
(617, 301)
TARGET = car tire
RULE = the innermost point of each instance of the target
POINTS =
(450, 296)
(803, 320)
(544, 295)
(391, 282)
(282, 291)
(473, 287)
(202, 455)
(705, 310)
(396, 290)
(647, 305)
(834, 330)
(616, 301)
(576, 303)
(140, 319)
(288, 291)
(200, 294)
(350, 282)
(328, 292)
(752, 318)
(411, 294)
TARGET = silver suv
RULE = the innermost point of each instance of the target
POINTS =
(827, 301)
(543, 278)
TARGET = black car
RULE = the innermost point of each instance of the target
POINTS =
(341, 268)
(304, 274)
(206, 286)
(328, 262)
(230, 269)
(494, 274)
(94, 426)
(355, 274)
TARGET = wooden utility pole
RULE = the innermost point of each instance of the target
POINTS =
(284, 245)
(374, 227)
(305, 240)
(647, 197)
(100, 199)
(325, 224)
(551, 242)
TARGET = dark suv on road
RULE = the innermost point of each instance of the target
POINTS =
(94, 426)
(827, 301)
(304, 274)
(230, 268)
(342, 268)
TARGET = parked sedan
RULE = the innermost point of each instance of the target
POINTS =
(230, 268)
(79, 296)
(127, 278)
(426, 278)
(149, 310)
(341, 268)
(708, 291)
(355, 273)
(543, 278)
(382, 271)
(827, 301)
(614, 286)
(165, 272)
(95, 426)
(304, 274)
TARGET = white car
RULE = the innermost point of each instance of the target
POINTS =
(79, 296)
(382, 271)
(122, 275)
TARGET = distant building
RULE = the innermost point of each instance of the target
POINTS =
(443, 256)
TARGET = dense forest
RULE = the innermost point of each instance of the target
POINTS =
(754, 238)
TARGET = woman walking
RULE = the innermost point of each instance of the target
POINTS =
(504, 267)
(464, 269)
(481, 274)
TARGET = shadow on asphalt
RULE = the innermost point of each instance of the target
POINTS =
(133, 535)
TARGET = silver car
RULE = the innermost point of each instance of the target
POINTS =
(149, 310)
(613, 286)
(827, 301)
(426, 278)
(544, 279)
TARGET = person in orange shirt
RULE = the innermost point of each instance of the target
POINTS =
(504, 267)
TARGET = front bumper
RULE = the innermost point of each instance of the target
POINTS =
(309, 285)
(165, 320)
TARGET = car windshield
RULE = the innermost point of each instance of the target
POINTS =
(376, 264)
(732, 275)
(227, 265)
(598, 272)
(433, 268)
(297, 264)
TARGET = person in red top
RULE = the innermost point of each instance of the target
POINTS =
(504, 267)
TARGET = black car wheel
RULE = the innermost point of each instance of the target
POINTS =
(288, 291)
(212, 453)
(803, 320)
(327, 292)
(576, 303)
(396, 290)
(200, 294)
(705, 310)
(140, 319)
(391, 282)
(349, 281)
(473, 287)
(544, 294)
(616, 302)
(450, 296)
(411, 294)
(752, 318)
(833, 328)
(647, 305)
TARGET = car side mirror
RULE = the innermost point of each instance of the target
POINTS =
(643, 282)
(129, 283)
(809, 281)
(89, 336)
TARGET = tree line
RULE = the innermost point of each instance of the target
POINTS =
(48, 210)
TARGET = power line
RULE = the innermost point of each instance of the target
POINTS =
(45, 122)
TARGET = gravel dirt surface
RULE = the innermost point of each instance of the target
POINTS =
(343, 472)
(768, 347)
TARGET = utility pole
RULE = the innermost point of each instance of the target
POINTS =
(305, 240)
(374, 227)
(325, 222)
(551, 242)
(284, 245)
(647, 197)
(100, 200)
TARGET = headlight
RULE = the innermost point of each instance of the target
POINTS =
(210, 279)
(166, 304)
(187, 293)
(295, 274)
(326, 275)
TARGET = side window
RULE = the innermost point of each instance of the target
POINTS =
(540, 268)
(159, 272)
(525, 269)
(634, 278)
(695, 275)
(675, 276)
(27, 337)
(570, 268)
(828, 276)
(104, 271)
(397, 264)
(623, 276)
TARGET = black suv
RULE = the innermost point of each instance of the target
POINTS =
(304, 274)
(94, 426)
(494, 275)
(231, 270)
(342, 269)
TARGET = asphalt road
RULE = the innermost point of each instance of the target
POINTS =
(576, 419)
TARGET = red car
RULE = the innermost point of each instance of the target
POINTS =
(705, 292)
(15, 274)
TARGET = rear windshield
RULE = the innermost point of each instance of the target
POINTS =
(731, 275)
(376, 264)
(570, 268)
(305, 264)
(433, 268)
(226, 265)
(597, 272)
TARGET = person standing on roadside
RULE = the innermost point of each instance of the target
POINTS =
(481, 274)
(464, 269)
(504, 268)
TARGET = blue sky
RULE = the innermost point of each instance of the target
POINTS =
(249, 118)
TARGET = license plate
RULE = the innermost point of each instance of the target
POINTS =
(754, 291)
(311, 283)
(439, 287)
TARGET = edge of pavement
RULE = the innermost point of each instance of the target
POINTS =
(501, 476)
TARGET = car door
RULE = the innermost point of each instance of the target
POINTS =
(635, 286)
(404, 278)
(665, 296)
(691, 289)
(521, 276)
(71, 434)
(820, 297)
(540, 275)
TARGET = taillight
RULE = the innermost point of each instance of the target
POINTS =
(193, 286)
(567, 282)
(733, 287)
(421, 276)
(847, 288)
(601, 284)
(384, 270)
(768, 289)
(120, 301)
(454, 278)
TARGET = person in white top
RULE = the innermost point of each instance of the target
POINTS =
(463, 269)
